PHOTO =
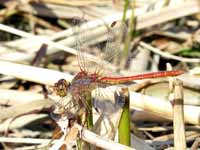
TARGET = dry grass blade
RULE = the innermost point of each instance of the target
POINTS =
(85, 135)
(168, 138)
(31, 107)
(21, 121)
(52, 44)
(39, 39)
(98, 141)
(163, 108)
(140, 144)
(143, 22)
(14, 97)
(168, 13)
(77, 2)
(178, 114)
(25, 140)
(144, 19)
(150, 18)
(196, 144)
(167, 128)
(167, 55)
(30, 73)
(159, 107)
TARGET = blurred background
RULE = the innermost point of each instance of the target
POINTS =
(42, 41)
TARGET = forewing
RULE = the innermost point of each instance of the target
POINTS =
(116, 32)
(80, 40)
(103, 42)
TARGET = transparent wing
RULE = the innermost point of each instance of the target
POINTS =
(116, 34)
(103, 42)
(80, 40)
(113, 47)
(109, 113)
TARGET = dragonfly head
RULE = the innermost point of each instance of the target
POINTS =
(61, 87)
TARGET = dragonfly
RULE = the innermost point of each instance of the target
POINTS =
(85, 81)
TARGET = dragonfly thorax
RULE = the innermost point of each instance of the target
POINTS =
(83, 83)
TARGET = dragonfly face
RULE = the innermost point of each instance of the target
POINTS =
(61, 87)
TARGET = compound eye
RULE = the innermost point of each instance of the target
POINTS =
(55, 116)
(61, 87)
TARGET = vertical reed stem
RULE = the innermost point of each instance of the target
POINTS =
(124, 124)
(178, 115)
(86, 118)
(89, 114)
(126, 4)
(130, 31)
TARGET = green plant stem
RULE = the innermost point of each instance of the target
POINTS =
(130, 29)
(124, 124)
(89, 114)
(126, 4)
(88, 119)
(80, 144)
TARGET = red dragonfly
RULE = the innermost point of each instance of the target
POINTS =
(85, 82)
